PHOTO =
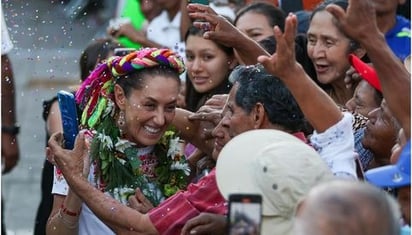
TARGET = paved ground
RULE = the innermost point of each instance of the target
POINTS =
(45, 60)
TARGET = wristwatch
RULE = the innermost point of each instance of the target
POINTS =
(13, 130)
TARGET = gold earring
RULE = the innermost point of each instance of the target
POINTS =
(121, 121)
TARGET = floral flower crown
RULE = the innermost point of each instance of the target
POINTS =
(95, 95)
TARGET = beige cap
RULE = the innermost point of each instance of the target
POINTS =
(274, 164)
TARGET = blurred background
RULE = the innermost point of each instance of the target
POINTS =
(48, 38)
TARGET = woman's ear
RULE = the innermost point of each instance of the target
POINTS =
(119, 97)
(232, 62)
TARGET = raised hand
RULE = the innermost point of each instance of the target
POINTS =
(217, 27)
(360, 13)
(283, 63)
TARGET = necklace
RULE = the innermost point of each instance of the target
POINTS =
(119, 168)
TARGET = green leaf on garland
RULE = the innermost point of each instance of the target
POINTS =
(134, 161)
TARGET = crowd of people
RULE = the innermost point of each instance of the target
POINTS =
(307, 105)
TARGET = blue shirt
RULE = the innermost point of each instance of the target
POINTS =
(406, 230)
(399, 38)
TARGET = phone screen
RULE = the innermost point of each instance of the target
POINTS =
(204, 2)
(245, 214)
(123, 51)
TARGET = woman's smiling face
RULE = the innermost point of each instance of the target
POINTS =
(149, 111)
(207, 64)
(328, 48)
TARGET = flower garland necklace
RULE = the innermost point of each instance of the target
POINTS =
(119, 165)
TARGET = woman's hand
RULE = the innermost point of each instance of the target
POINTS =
(139, 202)
(71, 162)
(128, 30)
(205, 223)
(217, 27)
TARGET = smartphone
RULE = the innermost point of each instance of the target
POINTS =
(123, 51)
(245, 214)
(204, 2)
(68, 110)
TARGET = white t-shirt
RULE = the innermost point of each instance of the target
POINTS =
(6, 44)
(167, 33)
(88, 221)
(336, 146)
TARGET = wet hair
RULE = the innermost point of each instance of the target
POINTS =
(273, 14)
(258, 86)
(353, 45)
(137, 80)
(194, 100)
(94, 53)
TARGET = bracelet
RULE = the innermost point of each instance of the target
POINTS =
(68, 212)
(68, 224)
(13, 130)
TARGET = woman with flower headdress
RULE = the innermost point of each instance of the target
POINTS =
(133, 156)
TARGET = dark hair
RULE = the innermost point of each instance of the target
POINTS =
(269, 44)
(137, 79)
(353, 45)
(257, 86)
(94, 53)
(194, 100)
(273, 14)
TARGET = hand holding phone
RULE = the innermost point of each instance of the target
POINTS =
(68, 110)
(245, 214)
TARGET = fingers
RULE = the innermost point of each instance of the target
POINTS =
(50, 156)
(205, 20)
(211, 116)
(139, 202)
(265, 61)
(205, 223)
(55, 142)
(79, 144)
(336, 11)
(198, 229)
(194, 7)
(217, 100)
(192, 226)
(141, 197)
(352, 78)
(290, 27)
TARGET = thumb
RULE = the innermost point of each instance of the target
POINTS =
(336, 11)
(141, 197)
(55, 141)
(79, 144)
(264, 60)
